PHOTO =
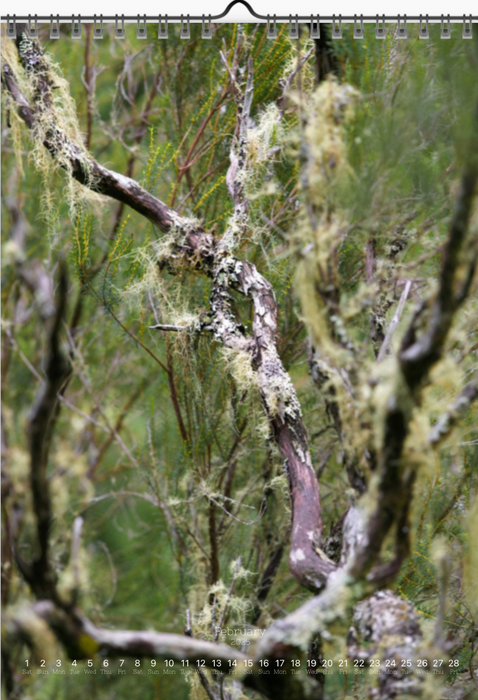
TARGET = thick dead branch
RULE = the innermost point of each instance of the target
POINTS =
(39, 573)
(387, 624)
(82, 638)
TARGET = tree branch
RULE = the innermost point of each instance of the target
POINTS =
(448, 420)
(82, 639)
(418, 356)
(202, 252)
(394, 322)
(39, 573)
(415, 359)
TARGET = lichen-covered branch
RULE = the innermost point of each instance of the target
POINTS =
(387, 503)
(82, 638)
(418, 354)
(235, 175)
(203, 252)
(449, 419)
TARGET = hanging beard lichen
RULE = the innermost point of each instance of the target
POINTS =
(55, 125)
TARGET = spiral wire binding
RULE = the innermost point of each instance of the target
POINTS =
(119, 30)
(445, 31)
(423, 32)
(358, 29)
(380, 28)
(271, 30)
(336, 29)
(55, 29)
(206, 30)
(294, 20)
(293, 27)
(467, 31)
(98, 31)
(163, 32)
(402, 27)
(75, 27)
(314, 31)
(141, 32)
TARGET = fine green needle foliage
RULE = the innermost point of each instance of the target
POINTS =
(164, 440)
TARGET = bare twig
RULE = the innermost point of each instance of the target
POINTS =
(75, 549)
(231, 588)
(188, 631)
(114, 576)
(168, 327)
(394, 322)
(287, 83)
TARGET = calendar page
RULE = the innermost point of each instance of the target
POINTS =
(239, 357)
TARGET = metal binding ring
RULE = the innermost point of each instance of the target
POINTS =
(141, 30)
(55, 28)
(185, 32)
(314, 32)
(336, 31)
(380, 30)
(97, 31)
(32, 31)
(402, 29)
(11, 30)
(119, 31)
(75, 28)
(445, 30)
(467, 31)
(163, 33)
(423, 32)
(206, 31)
(271, 30)
(358, 31)
(293, 28)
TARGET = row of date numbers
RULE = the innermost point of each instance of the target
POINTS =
(279, 663)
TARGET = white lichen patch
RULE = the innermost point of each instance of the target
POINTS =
(297, 555)
(277, 388)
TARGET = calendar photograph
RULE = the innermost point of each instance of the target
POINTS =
(239, 359)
